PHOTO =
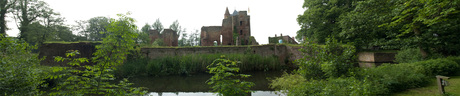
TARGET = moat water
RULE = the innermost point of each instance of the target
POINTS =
(195, 85)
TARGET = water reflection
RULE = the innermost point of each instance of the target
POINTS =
(195, 85)
(256, 93)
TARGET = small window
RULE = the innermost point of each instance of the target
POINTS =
(241, 32)
(241, 23)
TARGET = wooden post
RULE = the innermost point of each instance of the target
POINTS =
(439, 80)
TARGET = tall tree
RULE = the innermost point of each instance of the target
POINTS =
(157, 25)
(63, 33)
(176, 27)
(50, 20)
(361, 25)
(81, 27)
(146, 28)
(96, 28)
(425, 22)
(321, 17)
(4, 6)
(194, 38)
(26, 12)
(183, 40)
(143, 36)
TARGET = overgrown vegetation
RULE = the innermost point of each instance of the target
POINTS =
(428, 25)
(225, 81)
(193, 63)
(19, 74)
(94, 79)
(382, 80)
(331, 60)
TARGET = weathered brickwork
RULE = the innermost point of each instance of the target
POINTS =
(235, 30)
(170, 37)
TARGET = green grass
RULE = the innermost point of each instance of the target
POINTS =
(432, 88)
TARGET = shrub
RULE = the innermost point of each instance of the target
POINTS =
(408, 56)
(335, 87)
(456, 59)
(225, 82)
(95, 79)
(19, 74)
(396, 77)
(322, 61)
(438, 67)
(287, 82)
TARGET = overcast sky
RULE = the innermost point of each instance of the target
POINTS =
(268, 17)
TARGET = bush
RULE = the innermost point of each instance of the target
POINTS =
(408, 56)
(323, 61)
(287, 82)
(335, 87)
(395, 77)
(438, 67)
(19, 74)
(226, 81)
(455, 59)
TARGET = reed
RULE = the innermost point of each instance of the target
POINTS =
(194, 63)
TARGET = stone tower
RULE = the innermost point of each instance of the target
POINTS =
(236, 23)
(235, 26)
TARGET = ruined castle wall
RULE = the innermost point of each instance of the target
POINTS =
(49, 50)
(170, 37)
(281, 51)
(153, 35)
(227, 32)
(210, 34)
(243, 27)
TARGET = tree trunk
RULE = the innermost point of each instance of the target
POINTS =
(420, 47)
(2, 22)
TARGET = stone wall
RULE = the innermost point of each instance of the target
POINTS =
(284, 53)
(209, 34)
(372, 59)
(170, 37)
(49, 50)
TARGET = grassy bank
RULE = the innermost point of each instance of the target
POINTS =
(194, 63)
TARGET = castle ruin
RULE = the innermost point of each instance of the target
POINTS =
(169, 36)
(235, 30)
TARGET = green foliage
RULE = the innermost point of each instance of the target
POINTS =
(322, 61)
(90, 80)
(422, 23)
(157, 25)
(94, 79)
(335, 87)
(430, 25)
(408, 56)
(143, 35)
(96, 28)
(158, 42)
(321, 19)
(287, 82)
(18, 72)
(193, 63)
(455, 59)
(225, 82)
(435, 67)
(361, 25)
(395, 77)
(176, 27)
